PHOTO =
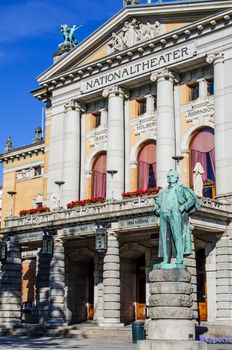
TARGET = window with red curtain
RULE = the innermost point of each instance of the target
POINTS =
(147, 167)
(99, 176)
(202, 150)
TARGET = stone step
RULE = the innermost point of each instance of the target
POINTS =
(82, 331)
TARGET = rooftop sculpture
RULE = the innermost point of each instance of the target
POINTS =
(68, 35)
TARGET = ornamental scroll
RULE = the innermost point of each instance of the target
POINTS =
(133, 33)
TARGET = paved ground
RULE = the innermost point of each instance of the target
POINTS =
(34, 343)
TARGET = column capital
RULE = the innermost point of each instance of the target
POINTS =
(111, 233)
(115, 90)
(166, 74)
(215, 57)
(74, 106)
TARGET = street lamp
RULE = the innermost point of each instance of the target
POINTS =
(12, 194)
(59, 184)
(47, 246)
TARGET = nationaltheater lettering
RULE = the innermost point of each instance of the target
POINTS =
(133, 70)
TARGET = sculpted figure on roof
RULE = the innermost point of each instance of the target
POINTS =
(130, 2)
(68, 35)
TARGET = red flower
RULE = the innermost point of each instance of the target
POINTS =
(140, 193)
(81, 203)
(33, 211)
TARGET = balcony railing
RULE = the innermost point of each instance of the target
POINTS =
(128, 206)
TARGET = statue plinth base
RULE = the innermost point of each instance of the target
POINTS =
(171, 323)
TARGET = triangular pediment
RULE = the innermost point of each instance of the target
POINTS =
(132, 25)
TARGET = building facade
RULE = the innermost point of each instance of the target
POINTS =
(149, 91)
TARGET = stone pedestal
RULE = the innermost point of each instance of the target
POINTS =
(170, 305)
(171, 324)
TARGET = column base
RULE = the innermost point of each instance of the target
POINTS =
(178, 330)
(171, 345)
(111, 323)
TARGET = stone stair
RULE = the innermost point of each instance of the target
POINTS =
(79, 331)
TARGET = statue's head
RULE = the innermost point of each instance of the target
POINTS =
(172, 176)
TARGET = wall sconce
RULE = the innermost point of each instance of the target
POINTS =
(178, 159)
(59, 184)
(47, 246)
(12, 194)
(112, 172)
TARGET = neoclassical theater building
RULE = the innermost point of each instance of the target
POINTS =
(148, 91)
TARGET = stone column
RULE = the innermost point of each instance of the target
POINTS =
(111, 282)
(211, 289)
(223, 277)
(83, 155)
(115, 142)
(165, 124)
(71, 165)
(203, 88)
(42, 286)
(149, 104)
(98, 290)
(11, 279)
(57, 284)
(104, 117)
(219, 121)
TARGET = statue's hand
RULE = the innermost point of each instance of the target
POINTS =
(181, 208)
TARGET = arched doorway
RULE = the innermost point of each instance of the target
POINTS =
(147, 166)
(80, 296)
(99, 176)
(202, 152)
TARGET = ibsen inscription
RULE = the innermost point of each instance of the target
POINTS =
(156, 61)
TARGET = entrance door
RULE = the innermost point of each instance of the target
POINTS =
(201, 285)
(140, 307)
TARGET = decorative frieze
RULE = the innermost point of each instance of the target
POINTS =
(133, 33)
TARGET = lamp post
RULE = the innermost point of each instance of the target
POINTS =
(12, 194)
(112, 172)
(59, 184)
(177, 162)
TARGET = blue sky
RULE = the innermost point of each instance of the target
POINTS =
(30, 34)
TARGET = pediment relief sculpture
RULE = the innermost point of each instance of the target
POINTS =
(133, 33)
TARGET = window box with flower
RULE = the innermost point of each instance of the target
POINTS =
(141, 193)
(82, 203)
(31, 211)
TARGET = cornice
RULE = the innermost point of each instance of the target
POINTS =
(203, 27)
(22, 152)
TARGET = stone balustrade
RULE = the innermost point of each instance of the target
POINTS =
(129, 205)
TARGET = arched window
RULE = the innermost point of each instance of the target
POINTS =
(99, 176)
(147, 166)
(202, 151)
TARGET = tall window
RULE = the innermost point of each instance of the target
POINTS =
(99, 176)
(202, 151)
(147, 166)
(193, 91)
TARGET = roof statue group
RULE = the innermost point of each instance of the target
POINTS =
(173, 205)
(68, 35)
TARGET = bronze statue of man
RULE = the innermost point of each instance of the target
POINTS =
(173, 205)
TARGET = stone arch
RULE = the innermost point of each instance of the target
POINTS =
(190, 132)
(137, 147)
(92, 157)
(132, 250)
